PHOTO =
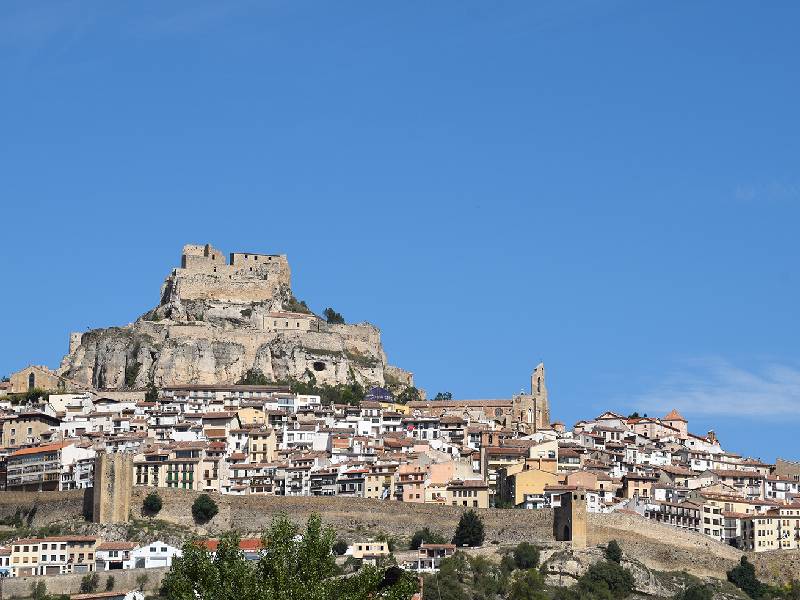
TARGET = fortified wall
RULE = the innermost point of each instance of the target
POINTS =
(658, 546)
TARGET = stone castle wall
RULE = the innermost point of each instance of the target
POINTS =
(657, 545)
(124, 580)
(205, 274)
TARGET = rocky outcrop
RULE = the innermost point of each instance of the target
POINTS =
(215, 334)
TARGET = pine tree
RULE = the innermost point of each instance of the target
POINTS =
(470, 530)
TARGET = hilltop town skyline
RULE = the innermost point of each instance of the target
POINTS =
(171, 286)
(365, 300)
(558, 183)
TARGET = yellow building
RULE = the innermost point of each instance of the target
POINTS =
(252, 415)
(473, 493)
(517, 484)
(394, 407)
(263, 445)
(53, 556)
(32, 428)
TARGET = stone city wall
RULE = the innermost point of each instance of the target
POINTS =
(658, 546)
(124, 580)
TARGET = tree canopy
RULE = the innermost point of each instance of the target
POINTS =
(204, 508)
(294, 565)
(613, 551)
(333, 317)
(152, 503)
(470, 530)
(425, 535)
(744, 577)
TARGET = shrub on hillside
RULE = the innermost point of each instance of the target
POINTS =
(744, 577)
(426, 536)
(697, 591)
(204, 508)
(152, 503)
(613, 551)
(89, 583)
(526, 556)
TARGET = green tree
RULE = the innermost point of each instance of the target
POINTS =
(527, 585)
(443, 396)
(340, 547)
(295, 305)
(633, 415)
(613, 551)
(526, 556)
(89, 583)
(110, 583)
(35, 396)
(151, 392)
(196, 575)
(607, 577)
(333, 317)
(427, 536)
(204, 508)
(448, 583)
(152, 503)
(131, 373)
(696, 591)
(410, 394)
(295, 565)
(141, 581)
(470, 530)
(254, 376)
(744, 577)
(39, 591)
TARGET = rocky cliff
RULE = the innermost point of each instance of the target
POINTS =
(217, 319)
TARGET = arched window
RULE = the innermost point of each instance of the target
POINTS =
(538, 385)
(31, 381)
(530, 416)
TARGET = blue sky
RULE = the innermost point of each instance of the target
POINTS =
(610, 187)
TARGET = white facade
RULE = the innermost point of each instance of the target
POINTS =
(155, 554)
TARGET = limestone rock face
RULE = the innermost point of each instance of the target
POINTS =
(217, 320)
(564, 567)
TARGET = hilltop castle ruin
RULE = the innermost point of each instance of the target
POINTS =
(218, 318)
(205, 274)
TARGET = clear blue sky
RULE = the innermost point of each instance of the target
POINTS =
(610, 187)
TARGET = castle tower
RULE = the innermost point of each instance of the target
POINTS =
(113, 485)
(74, 341)
(569, 519)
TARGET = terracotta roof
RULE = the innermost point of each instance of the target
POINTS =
(735, 473)
(59, 538)
(117, 546)
(41, 449)
(674, 415)
(247, 544)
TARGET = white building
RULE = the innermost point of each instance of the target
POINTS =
(153, 555)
